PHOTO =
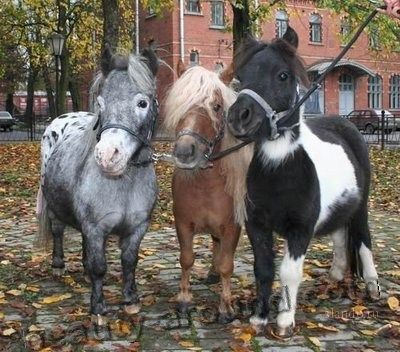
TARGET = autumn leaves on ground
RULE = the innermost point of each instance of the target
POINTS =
(19, 178)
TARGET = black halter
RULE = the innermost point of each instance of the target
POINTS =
(210, 144)
(145, 141)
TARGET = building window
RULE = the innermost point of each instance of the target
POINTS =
(193, 6)
(194, 58)
(345, 30)
(373, 38)
(375, 92)
(281, 23)
(315, 28)
(217, 14)
(394, 92)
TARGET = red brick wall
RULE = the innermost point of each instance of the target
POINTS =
(215, 45)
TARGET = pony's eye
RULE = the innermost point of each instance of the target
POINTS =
(142, 104)
(283, 76)
(216, 107)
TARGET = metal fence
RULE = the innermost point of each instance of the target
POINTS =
(386, 132)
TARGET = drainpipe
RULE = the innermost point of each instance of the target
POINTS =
(137, 26)
(182, 29)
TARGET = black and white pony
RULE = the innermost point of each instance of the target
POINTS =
(307, 177)
(97, 174)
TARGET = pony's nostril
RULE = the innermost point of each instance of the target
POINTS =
(193, 149)
(245, 114)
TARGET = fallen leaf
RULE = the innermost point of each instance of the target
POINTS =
(9, 332)
(358, 310)
(315, 341)
(14, 292)
(34, 328)
(393, 303)
(55, 298)
(245, 337)
(37, 305)
(186, 343)
(368, 332)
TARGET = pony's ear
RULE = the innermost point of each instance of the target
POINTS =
(181, 68)
(152, 59)
(226, 75)
(106, 59)
(291, 37)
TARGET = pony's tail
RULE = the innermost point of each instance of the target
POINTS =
(353, 251)
(44, 233)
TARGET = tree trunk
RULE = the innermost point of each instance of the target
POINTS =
(241, 23)
(110, 23)
(76, 97)
(49, 92)
(10, 103)
(29, 112)
(63, 84)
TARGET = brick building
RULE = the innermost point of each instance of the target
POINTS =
(366, 77)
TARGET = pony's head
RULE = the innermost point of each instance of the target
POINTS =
(268, 75)
(126, 107)
(194, 112)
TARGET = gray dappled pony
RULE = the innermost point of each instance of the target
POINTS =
(97, 174)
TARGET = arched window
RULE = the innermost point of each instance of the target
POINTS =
(281, 23)
(375, 92)
(315, 28)
(194, 58)
(394, 92)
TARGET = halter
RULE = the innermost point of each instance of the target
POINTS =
(272, 116)
(210, 144)
(145, 141)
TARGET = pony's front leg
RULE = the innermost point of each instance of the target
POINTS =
(96, 267)
(262, 243)
(129, 257)
(185, 237)
(291, 273)
(225, 264)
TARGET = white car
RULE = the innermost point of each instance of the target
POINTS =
(6, 121)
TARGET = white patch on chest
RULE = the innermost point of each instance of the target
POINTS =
(336, 174)
(275, 152)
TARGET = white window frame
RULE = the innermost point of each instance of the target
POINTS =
(394, 92)
(315, 28)
(375, 90)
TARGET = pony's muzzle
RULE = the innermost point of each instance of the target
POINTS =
(110, 160)
(187, 153)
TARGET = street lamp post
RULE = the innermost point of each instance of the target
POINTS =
(56, 46)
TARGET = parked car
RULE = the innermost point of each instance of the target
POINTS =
(369, 120)
(6, 121)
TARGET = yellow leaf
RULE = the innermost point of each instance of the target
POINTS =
(33, 289)
(2, 295)
(37, 305)
(393, 303)
(14, 292)
(35, 328)
(358, 310)
(327, 328)
(315, 341)
(186, 343)
(311, 325)
(55, 298)
(246, 337)
(9, 332)
(1, 315)
(368, 332)
(319, 264)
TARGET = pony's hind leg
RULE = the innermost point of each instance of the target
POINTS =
(362, 262)
(185, 237)
(340, 262)
(58, 265)
(291, 273)
(129, 258)
(225, 266)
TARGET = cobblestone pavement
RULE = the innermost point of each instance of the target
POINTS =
(39, 312)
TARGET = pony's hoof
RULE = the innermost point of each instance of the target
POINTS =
(226, 318)
(373, 290)
(183, 308)
(336, 274)
(284, 332)
(132, 309)
(212, 278)
(99, 320)
(58, 272)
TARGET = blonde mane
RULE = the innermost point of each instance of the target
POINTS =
(195, 89)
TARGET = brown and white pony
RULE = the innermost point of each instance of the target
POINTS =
(207, 197)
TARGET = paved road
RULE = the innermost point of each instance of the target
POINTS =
(327, 319)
